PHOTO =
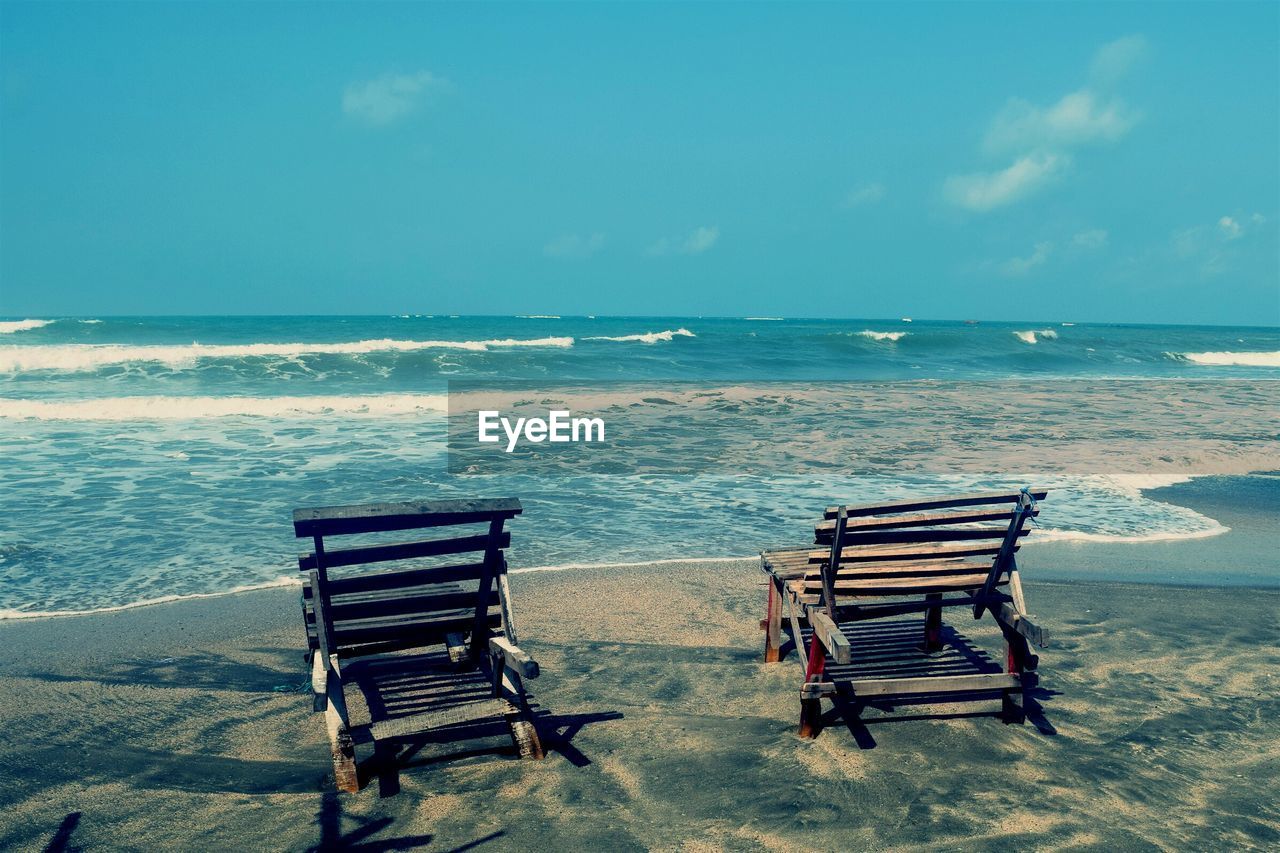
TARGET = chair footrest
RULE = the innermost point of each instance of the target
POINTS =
(414, 724)
(909, 686)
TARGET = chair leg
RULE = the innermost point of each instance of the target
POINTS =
(345, 775)
(524, 734)
(933, 624)
(810, 717)
(1015, 648)
(811, 709)
(773, 625)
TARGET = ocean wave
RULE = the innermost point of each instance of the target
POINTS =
(284, 580)
(93, 356)
(1230, 359)
(8, 327)
(184, 408)
(882, 336)
(538, 317)
(1030, 336)
(764, 318)
(1047, 535)
(648, 337)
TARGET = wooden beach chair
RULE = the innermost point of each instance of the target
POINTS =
(423, 628)
(881, 561)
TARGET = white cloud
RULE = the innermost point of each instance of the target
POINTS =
(987, 190)
(1215, 247)
(574, 246)
(1095, 238)
(1042, 139)
(1076, 119)
(702, 239)
(1022, 266)
(1114, 59)
(385, 99)
(864, 194)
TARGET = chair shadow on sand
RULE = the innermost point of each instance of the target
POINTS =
(474, 740)
(893, 650)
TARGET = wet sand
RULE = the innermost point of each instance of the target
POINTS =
(1155, 725)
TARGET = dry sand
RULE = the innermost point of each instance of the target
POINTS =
(187, 725)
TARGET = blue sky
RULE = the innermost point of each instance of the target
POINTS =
(1112, 162)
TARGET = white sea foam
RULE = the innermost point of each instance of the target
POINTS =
(1031, 337)
(1123, 538)
(92, 356)
(284, 580)
(183, 408)
(90, 322)
(763, 318)
(648, 337)
(1230, 359)
(882, 336)
(8, 327)
(538, 316)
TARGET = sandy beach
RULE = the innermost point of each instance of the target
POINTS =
(1154, 726)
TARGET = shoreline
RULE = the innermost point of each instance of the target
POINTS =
(1062, 559)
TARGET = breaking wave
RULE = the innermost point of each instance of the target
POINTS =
(648, 337)
(181, 408)
(93, 356)
(8, 327)
(1230, 359)
(883, 336)
(1033, 336)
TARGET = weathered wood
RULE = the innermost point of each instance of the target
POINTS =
(1015, 591)
(908, 536)
(933, 624)
(859, 525)
(1023, 625)
(908, 585)
(829, 567)
(919, 505)
(918, 553)
(338, 725)
(398, 603)
(772, 623)
(411, 630)
(492, 566)
(379, 581)
(867, 687)
(414, 724)
(832, 639)
(366, 554)
(852, 573)
(793, 615)
(514, 657)
(319, 681)
(374, 518)
(1004, 561)
(524, 734)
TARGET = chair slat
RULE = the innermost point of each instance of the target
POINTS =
(909, 552)
(858, 525)
(374, 518)
(366, 554)
(916, 505)
(377, 581)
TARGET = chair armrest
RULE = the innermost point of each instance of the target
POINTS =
(829, 634)
(513, 657)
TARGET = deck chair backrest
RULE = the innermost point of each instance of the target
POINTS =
(378, 596)
(874, 537)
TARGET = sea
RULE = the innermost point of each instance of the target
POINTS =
(152, 458)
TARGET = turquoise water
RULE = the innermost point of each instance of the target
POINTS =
(155, 457)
